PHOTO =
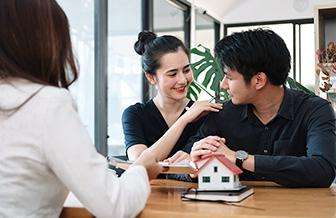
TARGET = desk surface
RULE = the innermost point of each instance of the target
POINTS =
(268, 200)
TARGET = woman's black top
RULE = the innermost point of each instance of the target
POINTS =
(144, 124)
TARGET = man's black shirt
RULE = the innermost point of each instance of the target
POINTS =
(295, 149)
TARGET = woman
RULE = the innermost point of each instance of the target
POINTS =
(45, 149)
(164, 124)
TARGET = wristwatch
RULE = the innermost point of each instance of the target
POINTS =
(240, 157)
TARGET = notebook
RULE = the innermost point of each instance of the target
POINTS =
(218, 196)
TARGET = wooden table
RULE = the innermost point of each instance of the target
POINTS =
(269, 200)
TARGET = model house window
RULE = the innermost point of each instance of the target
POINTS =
(206, 179)
(234, 178)
(225, 179)
(215, 169)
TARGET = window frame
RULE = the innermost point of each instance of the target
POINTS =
(225, 179)
(206, 179)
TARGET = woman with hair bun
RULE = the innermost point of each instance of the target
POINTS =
(164, 124)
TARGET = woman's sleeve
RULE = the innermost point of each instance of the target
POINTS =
(75, 161)
(133, 126)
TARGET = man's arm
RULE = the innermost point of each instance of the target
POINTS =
(209, 127)
(317, 169)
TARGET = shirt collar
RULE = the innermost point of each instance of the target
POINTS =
(286, 108)
(245, 112)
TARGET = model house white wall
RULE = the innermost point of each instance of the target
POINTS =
(215, 182)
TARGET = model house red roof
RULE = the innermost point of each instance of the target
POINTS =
(200, 164)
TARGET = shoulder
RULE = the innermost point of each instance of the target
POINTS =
(228, 113)
(139, 108)
(312, 106)
(56, 96)
(230, 109)
(310, 102)
(133, 110)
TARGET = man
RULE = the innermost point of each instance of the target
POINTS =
(271, 132)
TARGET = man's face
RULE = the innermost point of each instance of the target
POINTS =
(240, 92)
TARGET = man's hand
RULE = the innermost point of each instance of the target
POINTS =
(229, 154)
(208, 145)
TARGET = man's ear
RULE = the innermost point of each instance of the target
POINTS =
(151, 78)
(260, 80)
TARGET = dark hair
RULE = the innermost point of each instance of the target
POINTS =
(35, 42)
(152, 48)
(253, 51)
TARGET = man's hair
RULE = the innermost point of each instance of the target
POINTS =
(253, 51)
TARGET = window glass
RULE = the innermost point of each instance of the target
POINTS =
(206, 179)
(81, 17)
(205, 31)
(307, 50)
(168, 19)
(124, 67)
(225, 179)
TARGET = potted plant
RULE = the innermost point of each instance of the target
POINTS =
(326, 66)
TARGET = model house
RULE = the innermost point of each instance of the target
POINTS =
(216, 172)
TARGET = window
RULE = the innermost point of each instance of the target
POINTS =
(124, 67)
(80, 14)
(206, 179)
(215, 169)
(171, 18)
(206, 31)
(299, 38)
(234, 178)
(225, 179)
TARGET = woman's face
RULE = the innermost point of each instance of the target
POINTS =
(174, 75)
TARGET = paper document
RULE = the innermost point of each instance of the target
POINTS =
(184, 167)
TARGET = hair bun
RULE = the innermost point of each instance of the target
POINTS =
(144, 38)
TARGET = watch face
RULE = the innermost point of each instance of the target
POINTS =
(242, 155)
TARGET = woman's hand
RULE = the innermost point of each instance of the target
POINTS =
(200, 109)
(148, 160)
(178, 157)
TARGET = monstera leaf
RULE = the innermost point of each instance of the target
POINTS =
(208, 74)
(292, 84)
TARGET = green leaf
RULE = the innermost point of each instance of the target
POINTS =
(208, 76)
(193, 92)
(197, 71)
(197, 52)
(297, 86)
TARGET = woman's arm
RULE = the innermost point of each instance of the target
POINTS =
(73, 158)
(165, 144)
(135, 151)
